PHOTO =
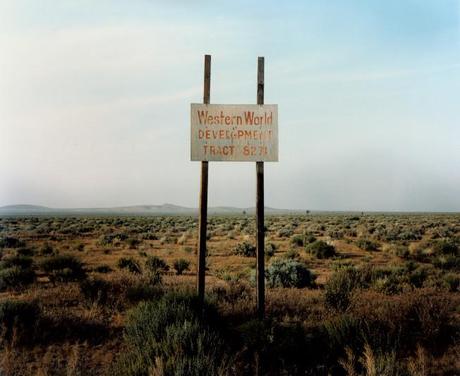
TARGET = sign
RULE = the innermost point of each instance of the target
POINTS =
(227, 132)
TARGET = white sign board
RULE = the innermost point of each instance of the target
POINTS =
(228, 132)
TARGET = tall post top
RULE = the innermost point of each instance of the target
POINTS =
(207, 79)
(260, 79)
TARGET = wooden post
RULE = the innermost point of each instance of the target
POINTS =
(203, 215)
(260, 244)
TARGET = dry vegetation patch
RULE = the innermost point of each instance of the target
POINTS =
(346, 294)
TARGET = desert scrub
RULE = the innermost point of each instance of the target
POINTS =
(95, 290)
(16, 272)
(321, 249)
(63, 268)
(18, 320)
(340, 286)
(11, 242)
(288, 273)
(103, 269)
(181, 265)
(47, 250)
(16, 277)
(172, 336)
(447, 247)
(270, 249)
(297, 240)
(129, 264)
(155, 267)
(291, 254)
(155, 264)
(309, 238)
(22, 262)
(367, 245)
(245, 249)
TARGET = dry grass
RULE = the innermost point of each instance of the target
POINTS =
(84, 337)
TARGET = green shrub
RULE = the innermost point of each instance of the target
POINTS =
(63, 268)
(447, 247)
(321, 249)
(297, 240)
(367, 245)
(47, 250)
(109, 239)
(25, 251)
(181, 266)
(401, 251)
(245, 249)
(447, 262)
(309, 238)
(16, 277)
(133, 243)
(288, 273)
(130, 264)
(22, 262)
(103, 269)
(11, 242)
(340, 286)
(171, 336)
(291, 254)
(452, 281)
(140, 291)
(18, 319)
(270, 249)
(95, 290)
(155, 264)
(285, 233)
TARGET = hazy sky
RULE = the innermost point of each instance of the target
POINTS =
(94, 101)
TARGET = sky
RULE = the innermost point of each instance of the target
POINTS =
(95, 101)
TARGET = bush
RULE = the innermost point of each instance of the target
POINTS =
(18, 319)
(452, 282)
(25, 251)
(309, 238)
(130, 264)
(155, 264)
(133, 243)
(321, 249)
(367, 245)
(22, 262)
(401, 251)
(181, 265)
(291, 254)
(297, 240)
(270, 249)
(340, 286)
(447, 262)
(103, 269)
(11, 242)
(16, 277)
(446, 247)
(47, 250)
(171, 336)
(95, 290)
(288, 273)
(402, 321)
(245, 249)
(64, 268)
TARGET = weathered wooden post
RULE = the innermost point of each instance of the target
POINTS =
(203, 215)
(231, 133)
(260, 242)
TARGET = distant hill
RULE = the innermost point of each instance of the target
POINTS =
(25, 208)
(164, 209)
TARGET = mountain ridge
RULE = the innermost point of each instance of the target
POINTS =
(166, 208)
